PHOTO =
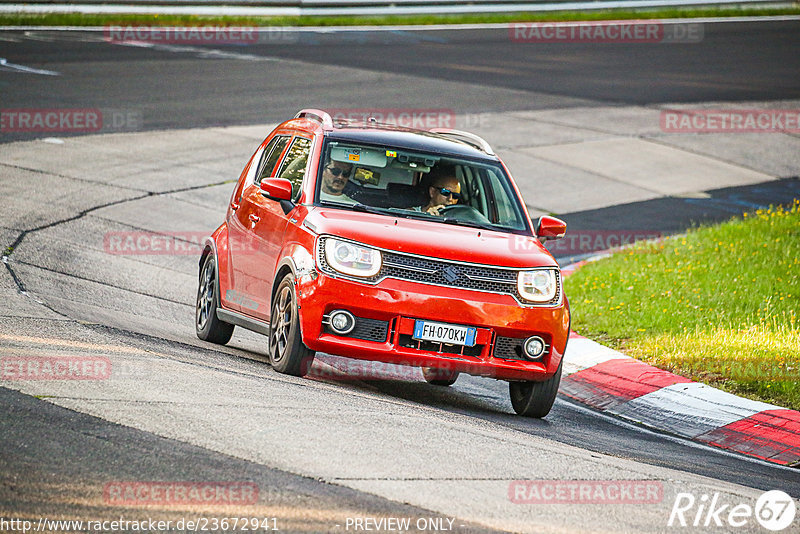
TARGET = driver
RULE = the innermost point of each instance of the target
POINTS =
(443, 190)
(334, 180)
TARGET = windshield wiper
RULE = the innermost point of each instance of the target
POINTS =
(370, 209)
(421, 215)
(471, 224)
(409, 214)
(356, 207)
(395, 212)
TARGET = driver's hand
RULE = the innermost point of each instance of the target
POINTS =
(434, 210)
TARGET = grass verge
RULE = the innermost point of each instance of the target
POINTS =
(78, 19)
(718, 305)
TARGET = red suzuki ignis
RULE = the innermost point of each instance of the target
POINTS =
(372, 241)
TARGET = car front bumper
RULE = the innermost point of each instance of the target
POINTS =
(385, 315)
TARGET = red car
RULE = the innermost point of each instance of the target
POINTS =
(372, 241)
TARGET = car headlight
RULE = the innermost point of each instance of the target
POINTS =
(352, 259)
(540, 285)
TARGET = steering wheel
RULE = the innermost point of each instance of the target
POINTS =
(464, 213)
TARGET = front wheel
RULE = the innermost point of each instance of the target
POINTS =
(439, 377)
(207, 325)
(534, 399)
(287, 352)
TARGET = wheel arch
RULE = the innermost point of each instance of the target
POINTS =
(285, 266)
(210, 249)
(298, 259)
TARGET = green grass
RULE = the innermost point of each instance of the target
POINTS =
(718, 304)
(77, 19)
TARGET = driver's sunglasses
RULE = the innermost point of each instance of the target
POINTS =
(336, 171)
(447, 193)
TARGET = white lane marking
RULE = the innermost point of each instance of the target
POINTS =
(59, 36)
(46, 35)
(662, 435)
(5, 65)
(203, 53)
(689, 409)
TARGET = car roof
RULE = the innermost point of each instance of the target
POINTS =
(443, 141)
(407, 138)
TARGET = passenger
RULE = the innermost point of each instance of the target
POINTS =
(443, 190)
(334, 180)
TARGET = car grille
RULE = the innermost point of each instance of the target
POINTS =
(409, 342)
(508, 348)
(428, 270)
(370, 329)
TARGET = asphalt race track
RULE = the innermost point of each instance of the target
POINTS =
(470, 71)
(324, 451)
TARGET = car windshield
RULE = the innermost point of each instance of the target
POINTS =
(436, 187)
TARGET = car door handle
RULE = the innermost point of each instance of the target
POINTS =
(254, 218)
(234, 206)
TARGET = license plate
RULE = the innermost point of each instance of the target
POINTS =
(444, 333)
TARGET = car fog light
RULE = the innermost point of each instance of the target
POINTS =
(342, 322)
(534, 347)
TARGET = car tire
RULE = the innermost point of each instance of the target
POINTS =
(439, 377)
(207, 324)
(287, 352)
(535, 399)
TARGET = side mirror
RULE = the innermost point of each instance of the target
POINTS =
(276, 188)
(550, 228)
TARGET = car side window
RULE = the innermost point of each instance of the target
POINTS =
(271, 156)
(293, 167)
(501, 204)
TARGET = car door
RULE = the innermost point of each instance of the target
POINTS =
(243, 241)
(270, 226)
(226, 276)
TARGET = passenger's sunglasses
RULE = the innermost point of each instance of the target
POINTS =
(447, 193)
(336, 171)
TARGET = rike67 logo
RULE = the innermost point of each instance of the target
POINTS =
(774, 510)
